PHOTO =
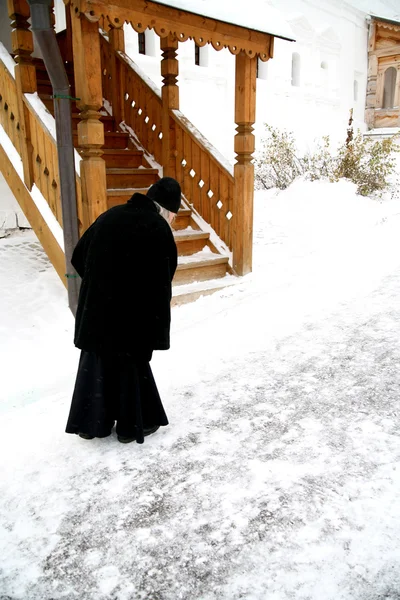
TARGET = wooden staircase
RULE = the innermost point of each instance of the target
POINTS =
(202, 268)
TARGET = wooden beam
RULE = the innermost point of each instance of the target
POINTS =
(32, 213)
(117, 44)
(88, 88)
(387, 51)
(165, 20)
(170, 101)
(245, 116)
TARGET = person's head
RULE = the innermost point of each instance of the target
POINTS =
(166, 194)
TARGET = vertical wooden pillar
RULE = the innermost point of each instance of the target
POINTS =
(25, 77)
(69, 55)
(245, 116)
(117, 44)
(170, 101)
(88, 88)
(371, 99)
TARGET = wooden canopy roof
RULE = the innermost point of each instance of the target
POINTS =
(166, 20)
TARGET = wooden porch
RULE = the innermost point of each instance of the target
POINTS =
(126, 132)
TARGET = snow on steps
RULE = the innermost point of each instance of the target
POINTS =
(182, 294)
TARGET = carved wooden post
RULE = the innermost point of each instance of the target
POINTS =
(170, 100)
(88, 88)
(25, 77)
(117, 44)
(245, 109)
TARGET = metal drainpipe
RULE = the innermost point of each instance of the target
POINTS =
(45, 38)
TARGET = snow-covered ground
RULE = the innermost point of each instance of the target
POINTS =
(278, 477)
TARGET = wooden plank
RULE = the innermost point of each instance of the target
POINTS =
(214, 186)
(179, 154)
(30, 210)
(205, 175)
(42, 161)
(224, 222)
(196, 166)
(187, 157)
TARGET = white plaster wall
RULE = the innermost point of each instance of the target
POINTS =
(11, 216)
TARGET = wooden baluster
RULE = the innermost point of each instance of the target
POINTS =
(87, 72)
(245, 109)
(25, 77)
(170, 101)
(117, 44)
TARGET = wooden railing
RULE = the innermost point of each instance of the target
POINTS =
(9, 106)
(45, 166)
(206, 178)
(42, 145)
(139, 102)
(206, 182)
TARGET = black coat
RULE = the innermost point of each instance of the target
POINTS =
(127, 259)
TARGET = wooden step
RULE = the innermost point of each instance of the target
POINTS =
(123, 158)
(182, 294)
(49, 104)
(116, 197)
(183, 219)
(44, 87)
(41, 69)
(131, 178)
(112, 139)
(200, 267)
(190, 241)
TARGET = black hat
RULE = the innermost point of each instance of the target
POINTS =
(167, 193)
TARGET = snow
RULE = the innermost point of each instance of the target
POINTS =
(387, 9)
(220, 158)
(262, 16)
(277, 478)
(143, 76)
(7, 59)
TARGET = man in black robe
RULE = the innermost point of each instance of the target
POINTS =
(126, 259)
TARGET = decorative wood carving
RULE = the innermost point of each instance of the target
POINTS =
(87, 73)
(166, 20)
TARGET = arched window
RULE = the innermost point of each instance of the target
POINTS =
(389, 87)
(296, 69)
(355, 90)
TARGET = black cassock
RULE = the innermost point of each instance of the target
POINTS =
(127, 260)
